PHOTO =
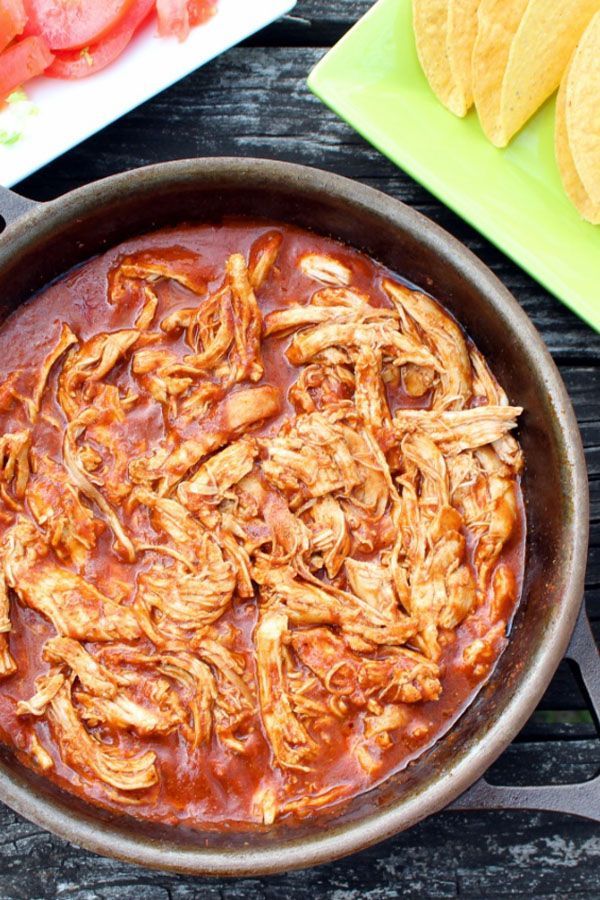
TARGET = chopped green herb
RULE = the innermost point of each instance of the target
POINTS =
(14, 117)
(7, 138)
(16, 96)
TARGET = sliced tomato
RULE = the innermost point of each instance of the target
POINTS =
(176, 17)
(12, 21)
(80, 63)
(71, 24)
(22, 61)
(201, 11)
(173, 18)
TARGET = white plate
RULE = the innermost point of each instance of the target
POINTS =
(66, 112)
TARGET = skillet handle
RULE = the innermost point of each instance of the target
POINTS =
(13, 206)
(577, 799)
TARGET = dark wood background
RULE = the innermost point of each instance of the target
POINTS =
(253, 101)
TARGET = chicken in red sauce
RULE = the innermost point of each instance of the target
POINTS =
(261, 525)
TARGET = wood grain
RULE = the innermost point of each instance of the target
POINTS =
(254, 102)
(313, 23)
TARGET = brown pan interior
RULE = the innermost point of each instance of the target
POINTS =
(51, 239)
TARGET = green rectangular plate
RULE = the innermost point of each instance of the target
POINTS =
(373, 80)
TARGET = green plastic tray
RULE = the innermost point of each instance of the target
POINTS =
(373, 80)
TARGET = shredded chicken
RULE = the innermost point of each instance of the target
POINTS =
(329, 305)
(196, 678)
(71, 528)
(462, 430)
(182, 266)
(485, 385)
(94, 677)
(82, 481)
(263, 257)
(312, 603)
(38, 753)
(443, 336)
(114, 767)
(264, 805)
(162, 715)
(262, 522)
(401, 348)
(330, 537)
(325, 268)
(14, 465)
(148, 310)
(66, 340)
(173, 601)
(479, 654)
(47, 687)
(7, 664)
(89, 364)
(238, 412)
(247, 321)
(433, 578)
(209, 485)
(399, 676)
(291, 744)
(74, 606)
(370, 398)
(167, 691)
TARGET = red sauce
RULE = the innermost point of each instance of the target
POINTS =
(208, 786)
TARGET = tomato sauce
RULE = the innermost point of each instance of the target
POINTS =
(210, 786)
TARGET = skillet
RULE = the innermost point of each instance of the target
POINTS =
(42, 241)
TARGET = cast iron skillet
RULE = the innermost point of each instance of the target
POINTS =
(43, 241)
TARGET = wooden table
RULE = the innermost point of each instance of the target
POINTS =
(254, 102)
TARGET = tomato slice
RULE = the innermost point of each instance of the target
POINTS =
(80, 63)
(173, 18)
(72, 24)
(201, 11)
(12, 21)
(176, 17)
(22, 61)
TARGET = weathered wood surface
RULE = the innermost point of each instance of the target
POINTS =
(472, 855)
(313, 23)
(254, 102)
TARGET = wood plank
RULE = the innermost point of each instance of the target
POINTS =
(583, 384)
(538, 763)
(346, 12)
(593, 570)
(477, 855)
(555, 725)
(313, 23)
(563, 692)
